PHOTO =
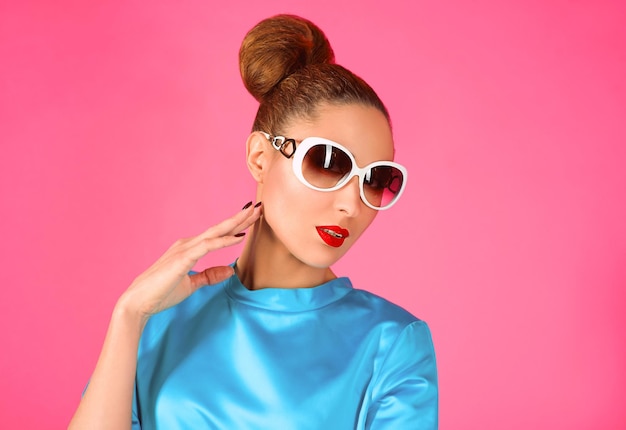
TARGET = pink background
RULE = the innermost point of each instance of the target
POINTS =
(122, 129)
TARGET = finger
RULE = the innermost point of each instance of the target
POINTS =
(231, 226)
(236, 223)
(200, 248)
(250, 216)
(211, 276)
(248, 222)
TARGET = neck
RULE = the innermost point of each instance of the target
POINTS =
(266, 263)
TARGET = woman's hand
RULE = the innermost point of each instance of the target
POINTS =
(167, 282)
(107, 402)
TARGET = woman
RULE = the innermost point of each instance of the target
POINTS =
(277, 341)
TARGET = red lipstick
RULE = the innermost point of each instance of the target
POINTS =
(332, 235)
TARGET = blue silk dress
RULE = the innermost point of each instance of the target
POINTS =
(329, 357)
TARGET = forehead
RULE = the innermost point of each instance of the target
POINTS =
(363, 130)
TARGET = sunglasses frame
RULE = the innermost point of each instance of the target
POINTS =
(287, 148)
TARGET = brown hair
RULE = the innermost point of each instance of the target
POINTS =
(288, 66)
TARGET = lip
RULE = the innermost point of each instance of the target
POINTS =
(332, 235)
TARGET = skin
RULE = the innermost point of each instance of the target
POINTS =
(107, 402)
(293, 255)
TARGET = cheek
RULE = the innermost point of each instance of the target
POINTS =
(367, 218)
(286, 201)
(362, 223)
(293, 210)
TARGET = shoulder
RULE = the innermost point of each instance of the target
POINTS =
(381, 310)
(404, 356)
(385, 323)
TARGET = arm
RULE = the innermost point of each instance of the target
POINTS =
(107, 402)
(108, 398)
(405, 395)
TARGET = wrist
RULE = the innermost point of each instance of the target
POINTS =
(128, 313)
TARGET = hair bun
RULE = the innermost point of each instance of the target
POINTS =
(277, 47)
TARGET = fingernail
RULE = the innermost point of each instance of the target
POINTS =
(246, 206)
(258, 204)
(243, 233)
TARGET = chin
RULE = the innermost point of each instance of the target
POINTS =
(322, 259)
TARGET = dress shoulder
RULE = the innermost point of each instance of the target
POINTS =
(381, 309)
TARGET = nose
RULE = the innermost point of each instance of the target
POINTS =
(348, 198)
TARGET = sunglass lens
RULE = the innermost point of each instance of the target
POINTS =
(382, 185)
(325, 166)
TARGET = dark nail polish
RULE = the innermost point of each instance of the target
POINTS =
(246, 206)
(243, 233)
(258, 204)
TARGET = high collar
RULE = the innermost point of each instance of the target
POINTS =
(289, 299)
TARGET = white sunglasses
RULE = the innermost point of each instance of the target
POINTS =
(324, 165)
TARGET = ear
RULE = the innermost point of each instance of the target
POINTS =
(257, 157)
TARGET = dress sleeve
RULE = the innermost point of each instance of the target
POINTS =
(405, 394)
